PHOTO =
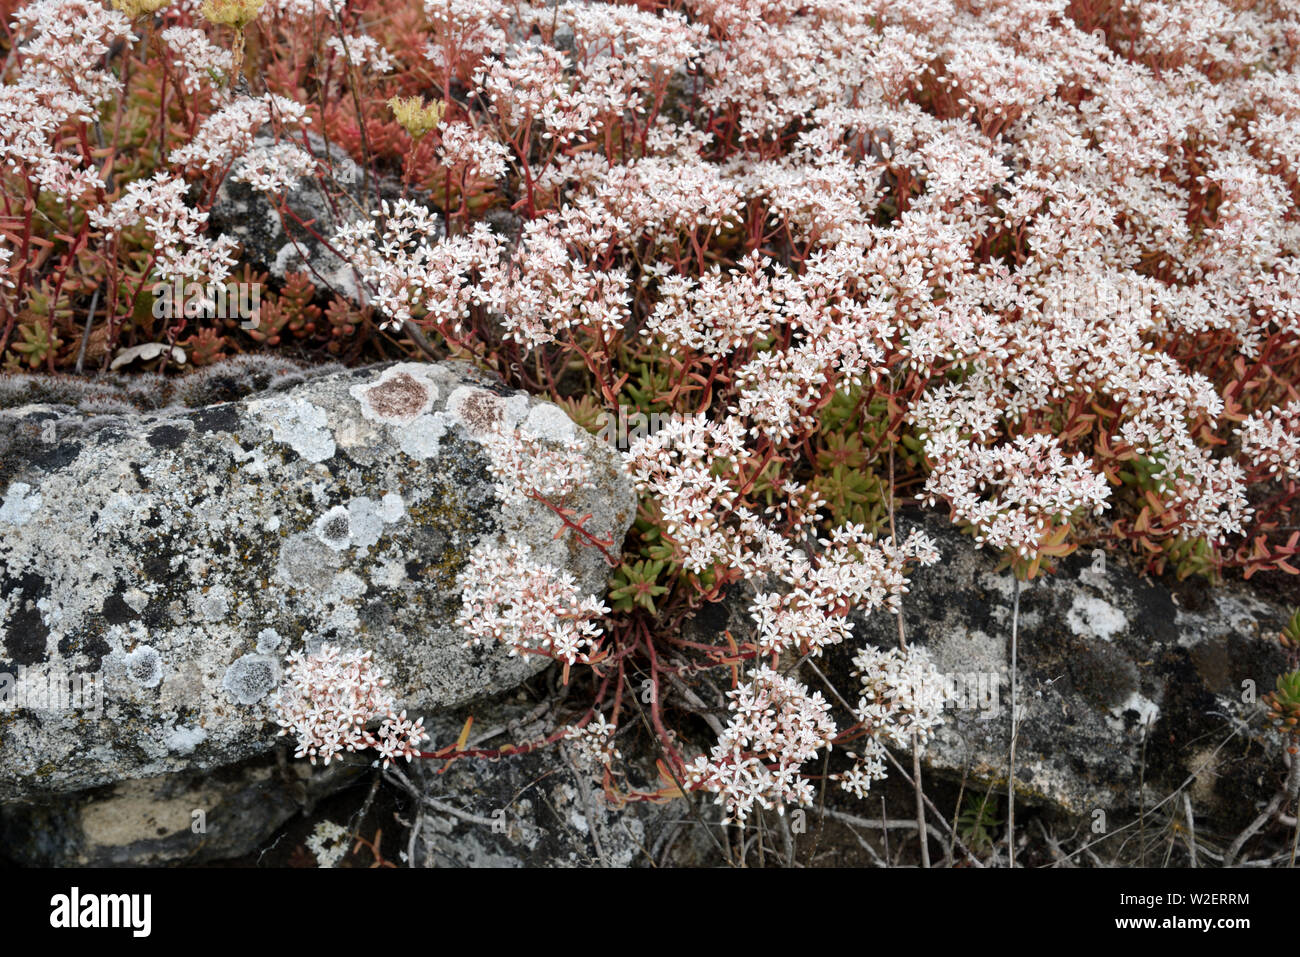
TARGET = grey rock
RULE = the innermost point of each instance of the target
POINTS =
(322, 203)
(1125, 685)
(544, 807)
(121, 393)
(172, 819)
(168, 561)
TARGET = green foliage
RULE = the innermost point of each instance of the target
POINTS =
(1191, 556)
(585, 410)
(852, 458)
(1284, 702)
(1291, 633)
(637, 584)
(37, 341)
(977, 822)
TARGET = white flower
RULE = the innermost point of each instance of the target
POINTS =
(326, 700)
(530, 606)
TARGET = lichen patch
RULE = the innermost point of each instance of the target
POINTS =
(392, 508)
(182, 740)
(20, 504)
(161, 566)
(1091, 617)
(144, 666)
(251, 678)
(334, 528)
(366, 522)
(1147, 712)
(477, 409)
(421, 438)
(400, 396)
(299, 424)
(549, 422)
(268, 640)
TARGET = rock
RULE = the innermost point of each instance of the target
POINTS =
(113, 394)
(543, 808)
(162, 564)
(1101, 650)
(249, 217)
(183, 818)
(1122, 680)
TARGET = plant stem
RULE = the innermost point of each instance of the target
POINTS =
(1011, 753)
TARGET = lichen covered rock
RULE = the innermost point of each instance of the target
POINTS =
(282, 243)
(544, 807)
(187, 818)
(158, 566)
(1127, 686)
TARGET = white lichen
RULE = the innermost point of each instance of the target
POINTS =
(548, 421)
(392, 508)
(480, 412)
(251, 678)
(1147, 711)
(422, 438)
(1091, 617)
(334, 528)
(184, 740)
(144, 666)
(399, 396)
(299, 424)
(20, 504)
(268, 640)
(365, 522)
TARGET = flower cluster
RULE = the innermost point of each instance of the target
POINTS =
(183, 251)
(468, 152)
(66, 44)
(901, 703)
(328, 698)
(902, 694)
(1015, 495)
(851, 572)
(528, 465)
(689, 465)
(229, 132)
(362, 51)
(409, 267)
(532, 607)
(1034, 263)
(328, 843)
(197, 58)
(1271, 441)
(775, 728)
(273, 169)
(594, 742)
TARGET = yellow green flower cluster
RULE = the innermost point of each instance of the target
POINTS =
(414, 116)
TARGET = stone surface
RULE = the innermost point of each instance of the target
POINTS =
(113, 394)
(176, 556)
(1122, 680)
(284, 245)
(543, 808)
(172, 819)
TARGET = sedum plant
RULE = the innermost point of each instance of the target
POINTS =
(1033, 263)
